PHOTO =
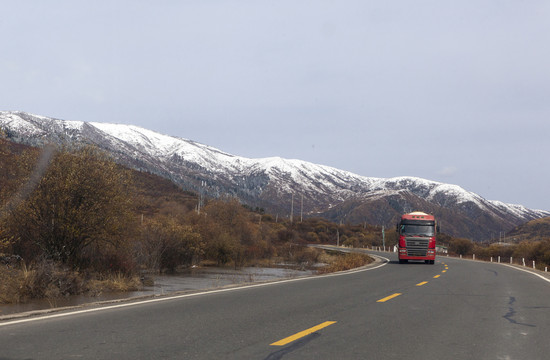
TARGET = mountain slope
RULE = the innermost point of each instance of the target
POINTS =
(272, 182)
(538, 229)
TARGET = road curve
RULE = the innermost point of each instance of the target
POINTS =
(455, 309)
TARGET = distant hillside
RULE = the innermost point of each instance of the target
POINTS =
(474, 224)
(276, 184)
(533, 230)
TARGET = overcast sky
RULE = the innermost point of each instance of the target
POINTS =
(451, 91)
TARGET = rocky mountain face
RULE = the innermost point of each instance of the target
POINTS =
(277, 184)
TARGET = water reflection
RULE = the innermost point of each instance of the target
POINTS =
(195, 279)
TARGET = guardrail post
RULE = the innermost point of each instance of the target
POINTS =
(546, 269)
(510, 260)
(523, 259)
(461, 256)
(533, 264)
(499, 259)
(474, 256)
(491, 259)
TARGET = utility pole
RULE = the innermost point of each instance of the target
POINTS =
(302, 209)
(291, 208)
(199, 205)
(383, 238)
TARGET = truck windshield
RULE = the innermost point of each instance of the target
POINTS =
(409, 229)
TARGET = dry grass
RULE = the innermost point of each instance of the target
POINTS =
(341, 262)
(47, 280)
(9, 286)
(41, 280)
(113, 283)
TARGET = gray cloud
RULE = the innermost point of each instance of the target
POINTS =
(371, 84)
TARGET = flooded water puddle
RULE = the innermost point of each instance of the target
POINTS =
(208, 278)
(195, 279)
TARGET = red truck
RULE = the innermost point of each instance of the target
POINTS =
(416, 233)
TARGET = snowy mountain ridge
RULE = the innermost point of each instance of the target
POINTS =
(266, 182)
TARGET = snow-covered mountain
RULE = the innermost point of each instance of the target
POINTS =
(271, 182)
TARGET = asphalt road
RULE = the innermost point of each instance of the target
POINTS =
(455, 309)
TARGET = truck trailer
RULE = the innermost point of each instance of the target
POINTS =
(417, 233)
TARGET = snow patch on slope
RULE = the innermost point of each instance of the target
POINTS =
(289, 175)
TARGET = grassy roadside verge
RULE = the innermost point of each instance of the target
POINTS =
(47, 280)
(338, 261)
(50, 281)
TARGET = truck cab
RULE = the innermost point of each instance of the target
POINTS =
(417, 237)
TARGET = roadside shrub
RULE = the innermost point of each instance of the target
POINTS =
(286, 235)
(304, 257)
(166, 244)
(461, 246)
(82, 199)
(341, 262)
(43, 279)
(117, 282)
(48, 280)
(9, 285)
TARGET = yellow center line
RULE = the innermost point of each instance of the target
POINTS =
(435, 277)
(301, 334)
(389, 297)
(444, 271)
(422, 283)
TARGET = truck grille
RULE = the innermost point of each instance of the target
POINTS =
(417, 246)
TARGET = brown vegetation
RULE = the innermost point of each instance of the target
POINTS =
(344, 261)
(534, 230)
(72, 221)
(46, 279)
(83, 224)
(528, 250)
(81, 203)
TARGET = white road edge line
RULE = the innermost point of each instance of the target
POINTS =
(168, 298)
(527, 271)
(510, 266)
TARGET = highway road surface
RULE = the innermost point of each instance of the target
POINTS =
(455, 309)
